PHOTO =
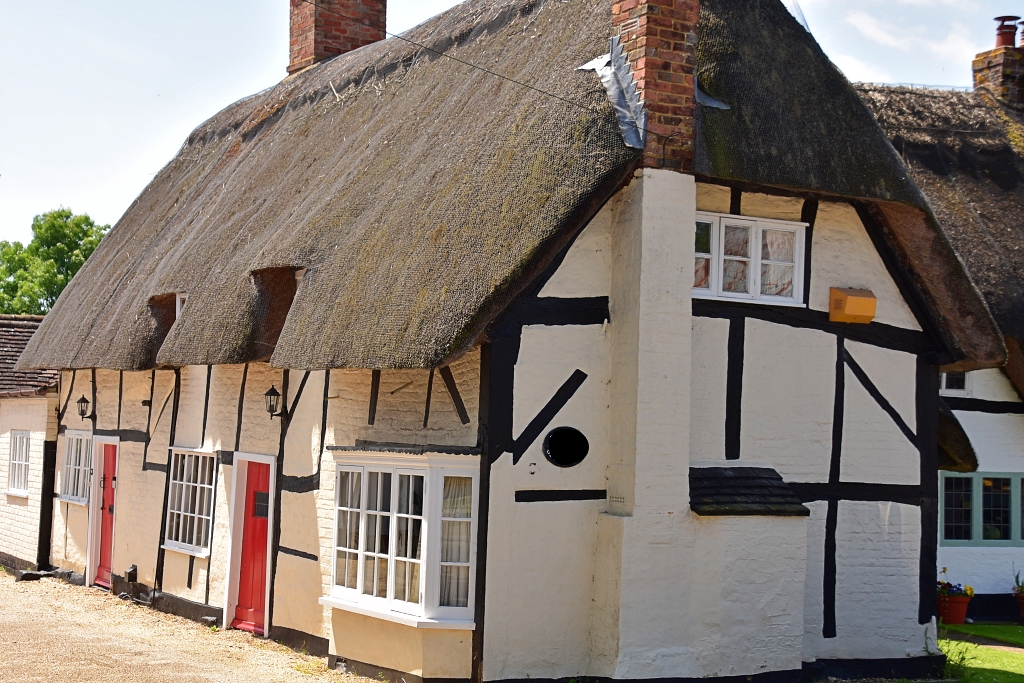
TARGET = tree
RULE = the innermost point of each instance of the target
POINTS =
(33, 276)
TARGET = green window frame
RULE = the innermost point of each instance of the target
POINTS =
(986, 502)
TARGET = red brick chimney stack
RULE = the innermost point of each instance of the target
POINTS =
(1001, 71)
(660, 39)
(321, 29)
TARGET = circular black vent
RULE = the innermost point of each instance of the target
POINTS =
(566, 447)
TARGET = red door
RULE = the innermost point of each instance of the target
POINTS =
(252, 574)
(107, 485)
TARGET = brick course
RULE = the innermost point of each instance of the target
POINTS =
(332, 27)
(660, 39)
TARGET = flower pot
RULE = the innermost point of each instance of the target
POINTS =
(1020, 604)
(953, 608)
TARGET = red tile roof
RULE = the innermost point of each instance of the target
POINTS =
(15, 331)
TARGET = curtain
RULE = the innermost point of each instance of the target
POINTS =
(455, 541)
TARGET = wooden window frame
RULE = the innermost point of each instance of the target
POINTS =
(717, 257)
(76, 475)
(964, 393)
(433, 471)
(184, 492)
(977, 511)
(18, 471)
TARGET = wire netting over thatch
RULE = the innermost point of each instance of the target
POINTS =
(422, 194)
(421, 197)
(794, 121)
(965, 151)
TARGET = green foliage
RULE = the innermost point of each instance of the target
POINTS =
(33, 276)
(979, 664)
(1005, 633)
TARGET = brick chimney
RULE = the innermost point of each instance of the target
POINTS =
(660, 39)
(321, 29)
(1001, 71)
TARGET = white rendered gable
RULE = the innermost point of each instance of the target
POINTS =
(587, 268)
(843, 256)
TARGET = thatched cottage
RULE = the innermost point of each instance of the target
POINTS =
(547, 340)
(28, 449)
(966, 151)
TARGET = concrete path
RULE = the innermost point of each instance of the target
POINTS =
(51, 631)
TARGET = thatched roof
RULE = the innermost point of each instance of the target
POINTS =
(966, 151)
(794, 122)
(423, 194)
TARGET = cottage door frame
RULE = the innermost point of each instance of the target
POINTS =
(92, 554)
(236, 514)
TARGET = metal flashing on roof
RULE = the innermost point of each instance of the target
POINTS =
(707, 100)
(617, 78)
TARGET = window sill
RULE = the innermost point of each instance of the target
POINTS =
(80, 503)
(704, 296)
(200, 554)
(17, 494)
(398, 617)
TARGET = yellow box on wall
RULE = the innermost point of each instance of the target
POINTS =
(851, 306)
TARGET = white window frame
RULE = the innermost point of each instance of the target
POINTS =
(183, 494)
(76, 475)
(966, 391)
(756, 226)
(17, 473)
(428, 613)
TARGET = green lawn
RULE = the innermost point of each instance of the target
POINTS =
(1004, 633)
(982, 664)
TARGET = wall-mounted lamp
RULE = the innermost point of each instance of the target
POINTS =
(83, 407)
(273, 401)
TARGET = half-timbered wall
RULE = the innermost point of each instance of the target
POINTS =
(992, 415)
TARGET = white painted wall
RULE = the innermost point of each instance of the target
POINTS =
(587, 268)
(991, 385)
(986, 569)
(843, 256)
(788, 399)
(541, 555)
(874, 448)
(998, 440)
(709, 372)
(19, 514)
(878, 546)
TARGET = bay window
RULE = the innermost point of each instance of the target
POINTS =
(748, 259)
(405, 536)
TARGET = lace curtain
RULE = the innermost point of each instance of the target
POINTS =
(456, 513)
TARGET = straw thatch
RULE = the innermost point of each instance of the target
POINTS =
(794, 122)
(420, 198)
(966, 151)
(423, 194)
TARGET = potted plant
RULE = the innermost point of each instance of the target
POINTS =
(953, 601)
(1018, 592)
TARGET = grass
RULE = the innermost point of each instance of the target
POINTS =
(1004, 633)
(979, 664)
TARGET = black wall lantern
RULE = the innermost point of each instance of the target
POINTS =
(83, 407)
(273, 399)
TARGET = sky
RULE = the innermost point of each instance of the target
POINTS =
(96, 96)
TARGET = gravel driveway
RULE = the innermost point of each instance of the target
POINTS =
(51, 631)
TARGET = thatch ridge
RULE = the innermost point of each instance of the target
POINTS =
(420, 195)
(965, 150)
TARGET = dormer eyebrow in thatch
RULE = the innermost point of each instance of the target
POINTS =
(423, 194)
(421, 198)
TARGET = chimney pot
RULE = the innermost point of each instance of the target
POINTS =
(1006, 33)
(321, 29)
